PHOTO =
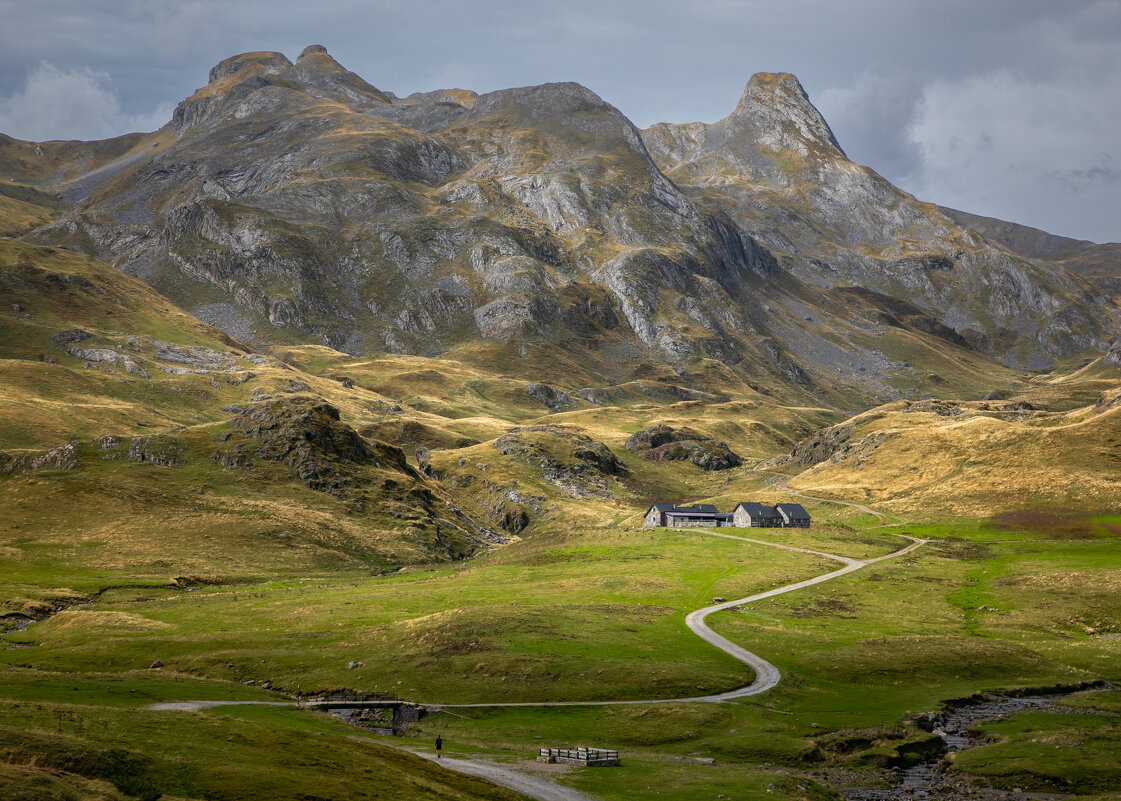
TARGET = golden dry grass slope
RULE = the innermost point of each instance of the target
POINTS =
(1054, 446)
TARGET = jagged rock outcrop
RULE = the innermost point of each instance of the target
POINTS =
(307, 436)
(1112, 356)
(845, 441)
(565, 456)
(784, 179)
(69, 336)
(109, 356)
(554, 400)
(370, 477)
(63, 457)
(822, 444)
(661, 443)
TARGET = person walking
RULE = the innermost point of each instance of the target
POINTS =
(439, 745)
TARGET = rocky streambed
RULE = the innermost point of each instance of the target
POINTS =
(929, 781)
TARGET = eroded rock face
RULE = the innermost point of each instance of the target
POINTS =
(822, 445)
(661, 443)
(365, 222)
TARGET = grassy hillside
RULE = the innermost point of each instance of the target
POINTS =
(1050, 447)
(89, 737)
(304, 519)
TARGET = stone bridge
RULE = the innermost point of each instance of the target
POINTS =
(404, 713)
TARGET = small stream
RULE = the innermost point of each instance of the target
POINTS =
(365, 720)
(928, 781)
(10, 624)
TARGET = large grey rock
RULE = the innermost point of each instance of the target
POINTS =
(661, 443)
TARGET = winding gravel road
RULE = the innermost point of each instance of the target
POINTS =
(766, 676)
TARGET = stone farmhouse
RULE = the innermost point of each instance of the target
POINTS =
(672, 516)
(745, 515)
(781, 515)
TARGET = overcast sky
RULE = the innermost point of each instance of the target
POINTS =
(1008, 108)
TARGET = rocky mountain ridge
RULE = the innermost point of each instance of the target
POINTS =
(775, 165)
(293, 202)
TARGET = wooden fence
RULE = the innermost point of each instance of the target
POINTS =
(592, 757)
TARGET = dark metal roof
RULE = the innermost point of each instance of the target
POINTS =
(663, 507)
(758, 510)
(793, 510)
(692, 512)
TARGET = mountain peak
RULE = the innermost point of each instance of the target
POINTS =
(322, 76)
(268, 61)
(775, 109)
(311, 50)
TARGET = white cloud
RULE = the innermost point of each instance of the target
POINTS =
(872, 119)
(74, 104)
(1043, 152)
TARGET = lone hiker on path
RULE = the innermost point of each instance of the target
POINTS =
(439, 745)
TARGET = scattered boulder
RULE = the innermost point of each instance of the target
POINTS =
(68, 280)
(160, 449)
(156, 664)
(70, 336)
(661, 443)
(353, 665)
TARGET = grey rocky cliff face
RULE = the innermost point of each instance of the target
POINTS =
(776, 167)
(296, 196)
(349, 224)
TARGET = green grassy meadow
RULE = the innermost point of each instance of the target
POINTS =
(598, 614)
(231, 578)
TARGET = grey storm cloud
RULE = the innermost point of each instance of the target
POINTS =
(1008, 108)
